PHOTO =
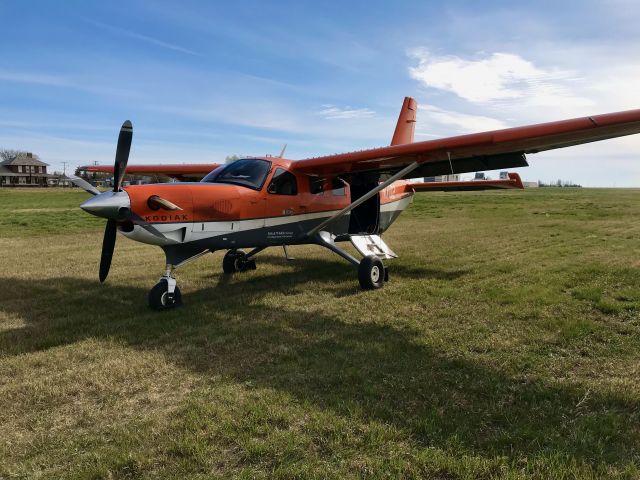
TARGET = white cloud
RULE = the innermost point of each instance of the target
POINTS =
(460, 121)
(495, 78)
(144, 38)
(331, 112)
(499, 90)
(85, 84)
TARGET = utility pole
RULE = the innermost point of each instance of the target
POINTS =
(64, 174)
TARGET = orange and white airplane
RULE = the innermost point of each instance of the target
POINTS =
(260, 202)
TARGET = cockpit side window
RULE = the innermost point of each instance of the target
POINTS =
(248, 172)
(283, 183)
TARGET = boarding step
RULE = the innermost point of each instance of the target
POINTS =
(372, 245)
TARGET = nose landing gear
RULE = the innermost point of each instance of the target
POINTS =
(165, 294)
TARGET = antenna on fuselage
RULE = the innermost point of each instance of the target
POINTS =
(282, 151)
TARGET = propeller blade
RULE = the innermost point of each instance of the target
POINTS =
(108, 244)
(83, 184)
(122, 154)
(127, 214)
(138, 220)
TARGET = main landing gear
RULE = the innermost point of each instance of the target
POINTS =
(237, 261)
(372, 273)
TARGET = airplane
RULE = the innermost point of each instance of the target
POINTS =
(266, 201)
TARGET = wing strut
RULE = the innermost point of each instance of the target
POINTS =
(364, 198)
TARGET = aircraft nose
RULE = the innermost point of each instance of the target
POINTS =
(107, 204)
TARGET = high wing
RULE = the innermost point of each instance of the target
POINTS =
(513, 181)
(182, 171)
(500, 149)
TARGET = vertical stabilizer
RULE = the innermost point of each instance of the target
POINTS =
(406, 122)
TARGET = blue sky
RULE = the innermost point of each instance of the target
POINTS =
(201, 80)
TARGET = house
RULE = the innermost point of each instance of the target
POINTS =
(24, 170)
(59, 180)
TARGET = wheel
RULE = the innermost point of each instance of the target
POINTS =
(232, 261)
(159, 298)
(371, 273)
(236, 261)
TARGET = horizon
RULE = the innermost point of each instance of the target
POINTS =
(202, 82)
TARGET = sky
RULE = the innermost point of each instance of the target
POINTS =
(201, 80)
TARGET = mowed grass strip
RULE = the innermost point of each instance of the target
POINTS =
(505, 346)
(44, 211)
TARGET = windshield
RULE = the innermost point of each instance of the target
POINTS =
(249, 172)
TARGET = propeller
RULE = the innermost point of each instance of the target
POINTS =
(119, 167)
(115, 206)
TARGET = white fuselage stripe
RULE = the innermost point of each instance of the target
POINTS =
(182, 232)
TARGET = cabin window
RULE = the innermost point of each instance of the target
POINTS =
(316, 185)
(283, 183)
(337, 187)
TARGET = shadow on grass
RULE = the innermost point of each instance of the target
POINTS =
(343, 270)
(351, 368)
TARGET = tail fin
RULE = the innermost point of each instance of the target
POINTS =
(406, 122)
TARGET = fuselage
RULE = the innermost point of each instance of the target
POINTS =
(278, 209)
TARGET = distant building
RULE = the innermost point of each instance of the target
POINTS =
(448, 178)
(443, 178)
(59, 180)
(24, 170)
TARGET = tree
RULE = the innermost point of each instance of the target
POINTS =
(8, 154)
(231, 158)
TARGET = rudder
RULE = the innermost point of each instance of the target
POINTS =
(406, 122)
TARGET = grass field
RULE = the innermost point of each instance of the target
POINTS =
(505, 346)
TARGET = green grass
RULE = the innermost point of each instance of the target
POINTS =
(37, 212)
(505, 346)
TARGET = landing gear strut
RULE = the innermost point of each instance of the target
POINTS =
(165, 294)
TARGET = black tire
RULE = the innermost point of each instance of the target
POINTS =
(248, 265)
(232, 261)
(159, 297)
(371, 273)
